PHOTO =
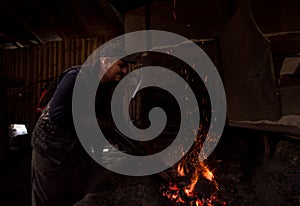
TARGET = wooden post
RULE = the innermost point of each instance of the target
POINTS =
(4, 143)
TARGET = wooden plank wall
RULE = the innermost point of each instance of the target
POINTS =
(3, 123)
(38, 63)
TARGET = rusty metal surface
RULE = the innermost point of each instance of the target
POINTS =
(248, 69)
(290, 100)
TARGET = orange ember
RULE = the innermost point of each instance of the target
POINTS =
(185, 192)
(206, 172)
(180, 170)
(185, 195)
(194, 181)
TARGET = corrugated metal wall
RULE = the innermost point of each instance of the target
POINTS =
(39, 63)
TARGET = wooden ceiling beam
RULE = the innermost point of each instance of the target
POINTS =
(19, 45)
(56, 27)
(47, 11)
(13, 39)
(78, 15)
(111, 12)
(2, 46)
(24, 24)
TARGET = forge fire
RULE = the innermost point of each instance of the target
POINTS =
(183, 189)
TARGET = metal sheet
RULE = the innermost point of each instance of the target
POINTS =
(249, 78)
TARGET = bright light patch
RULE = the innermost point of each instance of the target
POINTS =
(18, 129)
(105, 150)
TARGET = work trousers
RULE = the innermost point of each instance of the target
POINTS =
(63, 184)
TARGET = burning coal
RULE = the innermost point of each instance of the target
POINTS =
(181, 193)
(184, 189)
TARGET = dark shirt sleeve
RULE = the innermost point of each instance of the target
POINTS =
(61, 103)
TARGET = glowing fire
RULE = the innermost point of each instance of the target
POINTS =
(186, 195)
(194, 181)
(180, 170)
(184, 189)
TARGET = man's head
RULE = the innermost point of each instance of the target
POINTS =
(114, 63)
(114, 69)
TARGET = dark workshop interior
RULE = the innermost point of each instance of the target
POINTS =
(255, 47)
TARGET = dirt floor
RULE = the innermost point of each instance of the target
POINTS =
(15, 183)
(245, 176)
(250, 178)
